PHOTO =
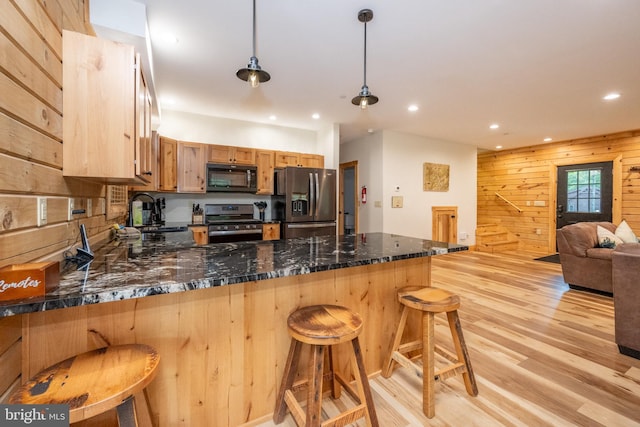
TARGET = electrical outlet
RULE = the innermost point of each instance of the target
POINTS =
(89, 206)
(42, 211)
(539, 203)
(103, 207)
(71, 207)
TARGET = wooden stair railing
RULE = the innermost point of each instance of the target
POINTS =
(508, 202)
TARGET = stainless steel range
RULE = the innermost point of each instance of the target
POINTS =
(232, 223)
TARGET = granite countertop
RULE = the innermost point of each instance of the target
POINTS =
(171, 262)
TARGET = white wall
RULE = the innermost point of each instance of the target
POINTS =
(403, 158)
(215, 130)
(368, 152)
(389, 159)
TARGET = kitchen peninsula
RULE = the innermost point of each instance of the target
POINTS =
(217, 313)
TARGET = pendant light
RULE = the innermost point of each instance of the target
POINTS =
(365, 98)
(253, 74)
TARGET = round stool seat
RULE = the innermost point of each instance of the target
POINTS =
(434, 300)
(324, 324)
(93, 382)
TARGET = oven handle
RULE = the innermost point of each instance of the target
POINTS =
(230, 232)
(311, 225)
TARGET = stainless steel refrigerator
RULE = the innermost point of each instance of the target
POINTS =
(305, 201)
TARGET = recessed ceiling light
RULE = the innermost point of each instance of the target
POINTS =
(611, 96)
(169, 38)
(315, 116)
(494, 126)
(498, 147)
(413, 108)
(547, 139)
(272, 117)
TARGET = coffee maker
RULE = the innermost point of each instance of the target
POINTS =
(144, 210)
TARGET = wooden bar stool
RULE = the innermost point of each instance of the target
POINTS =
(96, 381)
(430, 301)
(323, 326)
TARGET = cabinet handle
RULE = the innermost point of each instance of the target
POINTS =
(126, 135)
(147, 173)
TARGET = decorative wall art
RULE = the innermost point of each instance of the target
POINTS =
(435, 177)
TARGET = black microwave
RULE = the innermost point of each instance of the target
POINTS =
(232, 178)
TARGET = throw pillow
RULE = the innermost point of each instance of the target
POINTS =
(607, 239)
(625, 233)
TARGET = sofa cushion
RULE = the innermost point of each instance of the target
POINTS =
(579, 237)
(607, 239)
(625, 233)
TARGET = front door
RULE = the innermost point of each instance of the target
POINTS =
(584, 193)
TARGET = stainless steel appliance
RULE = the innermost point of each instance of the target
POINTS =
(232, 178)
(305, 201)
(232, 223)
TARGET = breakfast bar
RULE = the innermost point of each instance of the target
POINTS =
(217, 313)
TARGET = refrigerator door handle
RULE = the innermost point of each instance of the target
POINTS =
(315, 210)
(312, 196)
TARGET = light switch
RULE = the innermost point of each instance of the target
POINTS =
(42, 211)
(396, 201)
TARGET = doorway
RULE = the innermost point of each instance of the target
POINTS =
(348, 198)
(444, 224)
(584, 193)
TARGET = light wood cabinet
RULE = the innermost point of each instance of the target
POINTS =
(265, 161)
(168, 164)
(271, 231)
(101, 136)
(288, 158)
(154, 166)
(228, 154)
(191, 167)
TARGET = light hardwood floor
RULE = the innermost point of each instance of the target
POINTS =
(543, 355)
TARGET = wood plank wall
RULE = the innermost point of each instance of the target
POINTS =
(529, 174)
(31, 150)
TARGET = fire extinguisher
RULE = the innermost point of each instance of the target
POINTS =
(364, 194)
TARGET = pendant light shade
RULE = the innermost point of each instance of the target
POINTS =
(253, 74)
(365, 98)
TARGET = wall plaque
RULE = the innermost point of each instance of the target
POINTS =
(435, 177)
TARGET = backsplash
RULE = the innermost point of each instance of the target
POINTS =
(179, 206)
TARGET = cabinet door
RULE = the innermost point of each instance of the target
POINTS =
(270, 231)
(168, 157)
(219, 154)
(191, 167)
(98, 130)
(311, 160)
(144, 156)
(285, 158)
(244, 156)
(265, 160)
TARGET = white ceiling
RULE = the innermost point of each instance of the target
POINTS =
(539, 68)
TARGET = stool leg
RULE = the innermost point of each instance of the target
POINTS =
(290, 369)
(387, 368)
(336, 390)
(462, 352)
(428, 365)
(314, 392)
(363, 380)
(126, 413)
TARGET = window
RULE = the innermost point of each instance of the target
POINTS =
(583, 190)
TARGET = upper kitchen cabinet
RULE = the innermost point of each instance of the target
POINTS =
(105, 134)
(228, 154)
(168, 162)
(191, 167)
(265, 161)
(286, 158)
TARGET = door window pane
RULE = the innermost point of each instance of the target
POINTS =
(583, 190)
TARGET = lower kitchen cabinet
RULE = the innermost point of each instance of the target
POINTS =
(271, 231)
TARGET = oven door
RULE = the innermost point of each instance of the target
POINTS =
(226, 236)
